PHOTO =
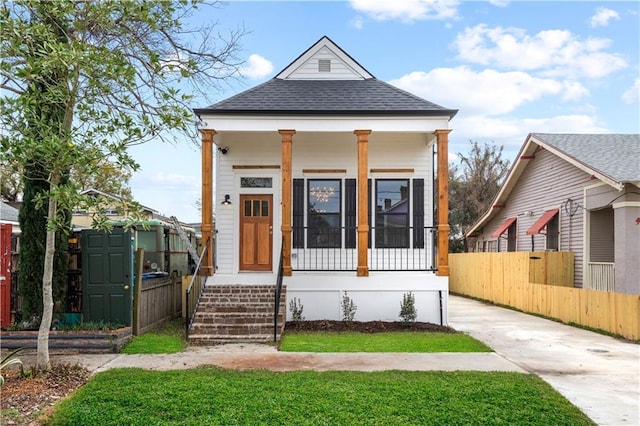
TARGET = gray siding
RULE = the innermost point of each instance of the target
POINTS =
(546, 183)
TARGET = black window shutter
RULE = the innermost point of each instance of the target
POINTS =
(298, 213)
(350, 201)
(418, 213)
(370, 195)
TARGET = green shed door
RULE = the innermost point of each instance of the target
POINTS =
(107, 266)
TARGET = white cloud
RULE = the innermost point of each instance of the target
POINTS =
(499, 3)
(257, 67)
(632, 95)
(550, 52)
(486, 92)
(407, 10)
(357, 22)
(603, 16)
(574, 91)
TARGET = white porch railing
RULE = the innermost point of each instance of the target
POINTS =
(601, 276)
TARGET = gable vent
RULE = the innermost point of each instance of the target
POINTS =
(324, 65)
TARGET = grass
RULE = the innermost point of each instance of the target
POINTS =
(217, 396)
(167, 339)
(408, 341)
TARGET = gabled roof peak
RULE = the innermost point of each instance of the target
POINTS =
(324, 60)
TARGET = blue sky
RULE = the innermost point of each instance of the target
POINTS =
(509, 67)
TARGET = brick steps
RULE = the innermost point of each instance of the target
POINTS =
(237, 314)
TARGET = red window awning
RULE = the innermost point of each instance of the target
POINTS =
(505, 225)
(542, 222)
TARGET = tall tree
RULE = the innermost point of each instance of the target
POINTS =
(10, 181)
(84, 80)
(473, 184)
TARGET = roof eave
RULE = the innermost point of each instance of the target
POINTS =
(579, 164)
(390, 113)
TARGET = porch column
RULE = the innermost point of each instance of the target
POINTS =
(207, 200)
(363, 202)
(443, 201)
(287, 144)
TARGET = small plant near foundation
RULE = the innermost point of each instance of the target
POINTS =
(296, 308)
(348, 308)
(408, 311)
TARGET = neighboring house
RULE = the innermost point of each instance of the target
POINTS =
(337, 168)
(9, 216)
(572, 192)
(84, 219)
(9, 229)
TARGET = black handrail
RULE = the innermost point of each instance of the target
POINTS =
(191, 315)
(278, 293)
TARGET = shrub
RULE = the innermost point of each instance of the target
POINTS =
(348, 308)
(296, 308)
(408, 311)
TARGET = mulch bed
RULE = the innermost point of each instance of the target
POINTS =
(24, 398)
(365, 326)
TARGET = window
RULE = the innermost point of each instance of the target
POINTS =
(147, 240)
(324, 213)
(392, 213)
(256, 182)
(511, 237)
(553, 231)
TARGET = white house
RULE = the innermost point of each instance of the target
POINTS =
(334, 169)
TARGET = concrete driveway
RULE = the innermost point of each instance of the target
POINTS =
(598, 374)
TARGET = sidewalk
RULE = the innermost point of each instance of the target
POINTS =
(255, 356)
(598, 374)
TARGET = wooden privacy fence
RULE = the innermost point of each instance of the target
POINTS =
(155, 300)
(510, 279)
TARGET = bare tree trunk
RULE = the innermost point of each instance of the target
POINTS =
(43, 362)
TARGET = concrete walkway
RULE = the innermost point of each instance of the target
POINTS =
(598, 374)
(255, 356)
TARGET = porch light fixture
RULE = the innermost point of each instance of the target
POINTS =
(227, 200)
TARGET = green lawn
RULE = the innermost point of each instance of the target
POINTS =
(167, 339)
(408, 341)
(228, 397)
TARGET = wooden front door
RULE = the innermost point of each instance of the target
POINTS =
(256, 232)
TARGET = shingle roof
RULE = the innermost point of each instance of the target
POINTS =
(323, 97)
(8, 213)
(614, 155)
